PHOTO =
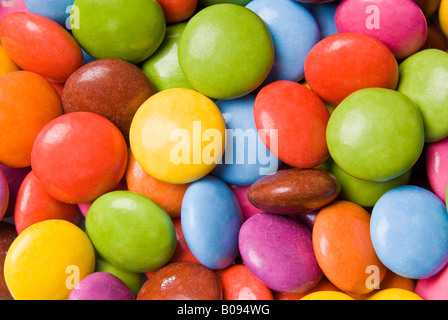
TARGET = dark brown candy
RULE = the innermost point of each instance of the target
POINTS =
(293, 191)
(182, 281)
(112, 88)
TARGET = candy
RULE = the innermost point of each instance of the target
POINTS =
(375, 134)
(345, 62)
(55, 56)
(437, 167)
(66, 147)
(294, 191)
(380, 20)
(178, 136)
(246, 159)
(433, 288)
(443, 16)
(409, 227)
(327, 295)
(4, 193)
(120, 29)
(213, 57)
(131, 231)
(101, 286)
(345, 262)
(395, 294)
(6, 64)
(178, 10)
(7, 235)
(322, 285)
(283, 258)
(15, 177)
(182, 252)
(211, 219)
(182, 281)
(12, 6)
(53, 252)
(27, 103)
(324, 13)
(206, 3)
(294, 32)
(239, 284)
(420, 75)
(291, 121)
(58, 11)
(34, 204)
(247, 208)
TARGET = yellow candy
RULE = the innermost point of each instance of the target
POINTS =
(394, 294)
(327, 295)
(6, 64)
(47, 260)
(443, 16)
(178, 136)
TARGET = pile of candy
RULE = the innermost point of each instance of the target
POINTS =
(224, 149)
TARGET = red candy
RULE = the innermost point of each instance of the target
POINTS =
(178, 10)
(34, 204)
(346, 62)
(36, 43)
(79, 156)
(301, 119)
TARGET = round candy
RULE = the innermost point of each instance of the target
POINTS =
(182, 252)
(429, 7)
(375, 134)
(112, 88)
(8, 234)
(443, 16)
(182, 281)
(247, 208)
(246, 158)
(168, 196)
(58, 11)
(178, 10)
(409, 231)
(239, 284)
(346, 62)
(226, 51)
(178, 136)
(205, 3)
(345, 262)
(291, 121)
(211, 219)
(13, 6)
(379, 19)
(66, 152)
(6, 64)
(15, 177)
(163, 67)
(437, 166)
(394, 294)
(34, 205)
(420, 78)
(283, 258)
(27, 103)
(131, 231)
(327, 295)
(323, 285)
(127, 30)
(294, 32)
(433, 288)
(4, 194)
(101, 286)
(324, 13)
(55, 56)
(47, 260)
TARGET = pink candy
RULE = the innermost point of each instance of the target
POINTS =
(437, 167)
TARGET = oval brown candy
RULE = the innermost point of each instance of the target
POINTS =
(293, 191)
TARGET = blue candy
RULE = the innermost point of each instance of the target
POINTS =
(56, 10)
(246, 159)
(211, 219)
(324, 14)
(409, 232)
(294, 32)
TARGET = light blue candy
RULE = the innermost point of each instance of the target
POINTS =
(87, 58)
(211, 219)
(324, 14)
(246, 159)
(54, 9)
(294, 32)
(409, 232)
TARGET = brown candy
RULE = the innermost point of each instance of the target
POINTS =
(294, 191)
(112, 88)
(7, 235)
(182, 281)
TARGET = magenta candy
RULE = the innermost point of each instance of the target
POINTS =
(4, 194)
(435, 287)
(399, 24)
(14, 176)
(12, 6)
(437, 167)
(279, 252)
(101, 286)
(247, 209)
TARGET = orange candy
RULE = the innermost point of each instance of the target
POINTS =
(239, 284)
(343, 248)
(178, 10)
(168, 196)
(27, 103)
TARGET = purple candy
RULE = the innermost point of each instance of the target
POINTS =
(15, 177)
(101, 286)
(278, 250)
(4, 193)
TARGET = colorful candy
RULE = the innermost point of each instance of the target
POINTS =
(4, 194)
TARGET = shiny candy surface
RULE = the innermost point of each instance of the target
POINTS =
(211, 219)
(410, 210)
(283, 259)
(48, 252)
(433, 288)
(56, 55)
(178, 10)
(64, 176)
(437, 167)
(247, 208)
(58, 11)
(395, 294)
(327, 295)
(345, 262)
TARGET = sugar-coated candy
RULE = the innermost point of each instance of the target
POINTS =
(433, 288)
(14, 177)
(395, 294)
(436, 156)
(247, 208)
(178, 10)
(54, 252)
(6, 63)
(4, 193)
(327, 295)
(58, 11)
(8, 234)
